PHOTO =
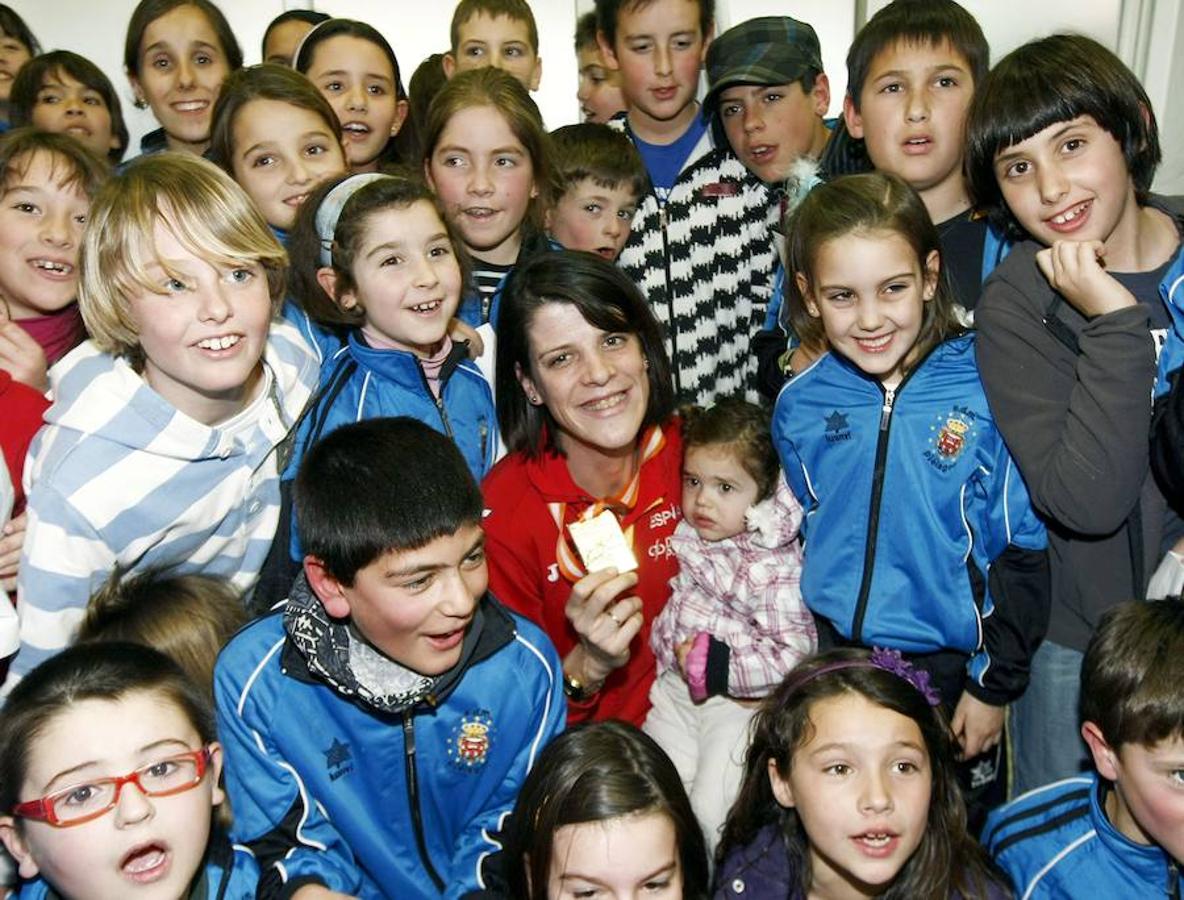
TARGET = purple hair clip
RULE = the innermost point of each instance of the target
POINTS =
(892, 661)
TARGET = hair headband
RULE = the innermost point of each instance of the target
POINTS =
(330, 210)
(888, 661)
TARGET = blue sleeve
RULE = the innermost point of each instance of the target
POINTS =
(476, 857)
(292, 840)
(791, 463)
(773, 315)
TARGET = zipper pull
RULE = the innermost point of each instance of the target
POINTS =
(886, 412)
(662, 216)
(408, 734)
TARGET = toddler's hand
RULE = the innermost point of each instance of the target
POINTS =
(22, 356)
(681, 651)
(1074, 268)
(977, 725)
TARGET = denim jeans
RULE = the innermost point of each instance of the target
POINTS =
(1046, 742)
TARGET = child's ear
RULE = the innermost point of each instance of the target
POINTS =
(17, 848)
(401, 110)
(427, 175)
(820, 94)
(852, 118)
(782, 792)
(606, 51)
(137, 92)
(803, 283)
(327, 279)
(932, 274)
(327, 588)
(1105, 756)
(216, 773)
(536, 74)
(448, 64)
(707, 39)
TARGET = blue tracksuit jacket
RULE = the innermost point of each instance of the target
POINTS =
(1056, 842)
(919, 534)
(327, 789)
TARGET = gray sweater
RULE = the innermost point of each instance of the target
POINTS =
(1077, 425)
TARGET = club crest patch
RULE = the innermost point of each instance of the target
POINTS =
(952, 433)
(469, 745)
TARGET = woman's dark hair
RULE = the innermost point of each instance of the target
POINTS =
(947, 862)
(875, 202)
(263, 82)
(98, 671)
(489, 86)
(14, 26)
(608, 300)
(309, 17)
(32, 77)
(148, 11)
(592, 773)
(400, 189)
(403, 147)
(744, 428)
(1045, 82)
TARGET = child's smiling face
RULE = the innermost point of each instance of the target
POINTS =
(1069, 181)
(145, 847)
(41, 223)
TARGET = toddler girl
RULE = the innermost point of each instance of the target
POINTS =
(735, 622)
(64, 92)
(919, 534)
(110, 767)
(176, 55)
(373, 252)
(850, 791)
(487, 157)
(356, 70)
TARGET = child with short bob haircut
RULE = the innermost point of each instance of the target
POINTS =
(1063, 146)
(599, 92)
(48, 181)
(81, 829)
(498, 33)
(888, 437)
(489, 160)
(357, 72)
(850, 790)
(373, 254)
(604, 811)
(433, 699)
(189, 618)
(912, 71)
(162, 446)
(176, 54)
(1119, 830)
(64, 92)
(735, 622)
(599, 180)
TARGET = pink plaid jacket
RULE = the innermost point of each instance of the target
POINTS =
(744, 592)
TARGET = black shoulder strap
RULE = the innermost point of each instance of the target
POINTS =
(1059, 329)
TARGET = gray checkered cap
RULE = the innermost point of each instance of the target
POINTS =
(765, 50)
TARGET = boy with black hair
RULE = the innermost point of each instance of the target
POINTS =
(498, 33)
(378, 725)
(911, 75)
(1119, 831)
(702, 248)
(1062, 149)
(599, 93)
(600, 179)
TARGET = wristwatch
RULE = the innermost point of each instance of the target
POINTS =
(578, 691)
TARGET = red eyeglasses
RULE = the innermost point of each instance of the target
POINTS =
(82, 802)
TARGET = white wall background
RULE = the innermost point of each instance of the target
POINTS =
(1147, 34)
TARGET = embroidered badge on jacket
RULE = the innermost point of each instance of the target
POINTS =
(469, 745)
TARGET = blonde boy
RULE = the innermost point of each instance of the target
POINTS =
(161, 447)
(498, 33)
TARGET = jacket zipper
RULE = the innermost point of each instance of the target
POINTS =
(413, 799)
(439, 401)
(673, 329)
(869, 552)
(1173, 881)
